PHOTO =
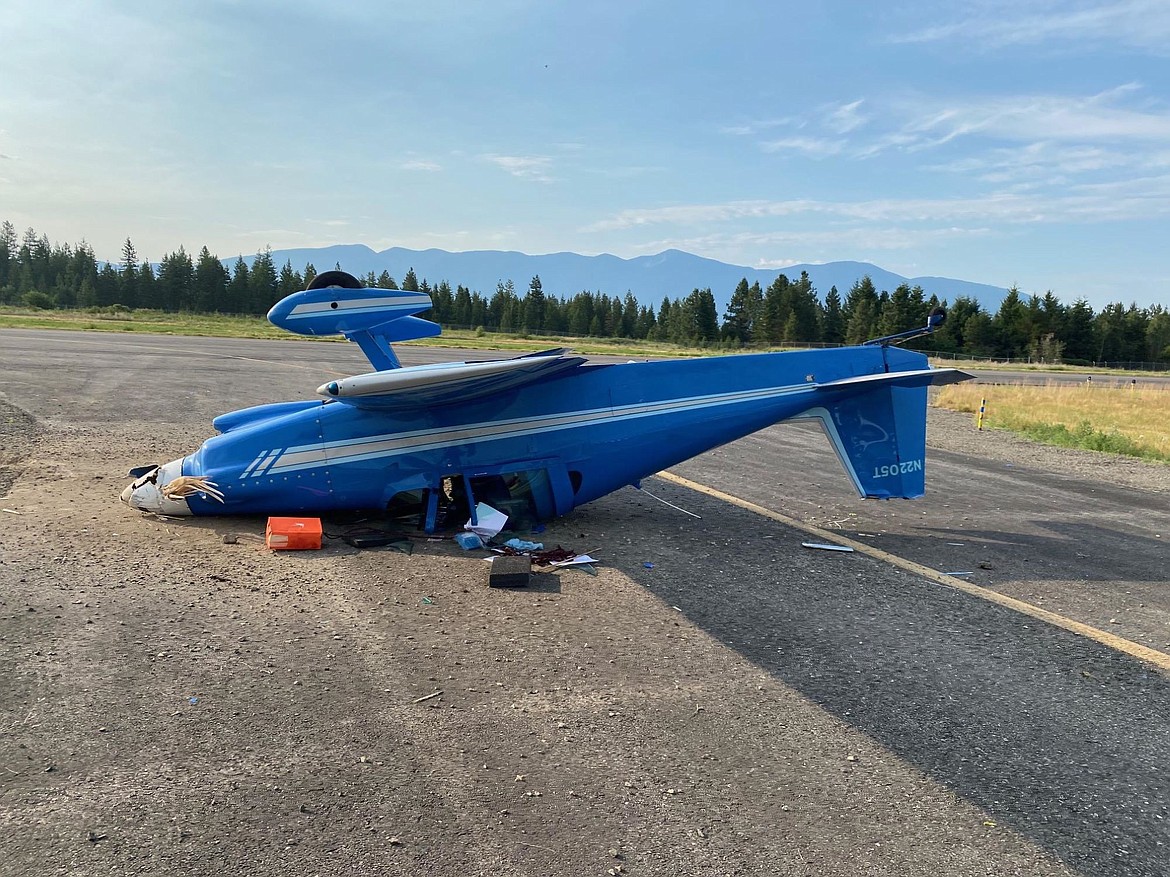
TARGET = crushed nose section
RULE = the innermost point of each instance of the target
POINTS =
(164, 490)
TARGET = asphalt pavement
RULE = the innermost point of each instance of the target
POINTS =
(1058, 737)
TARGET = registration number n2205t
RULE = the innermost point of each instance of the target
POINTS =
(897, 468)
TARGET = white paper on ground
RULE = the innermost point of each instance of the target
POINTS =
(489, 521)
(574, 561)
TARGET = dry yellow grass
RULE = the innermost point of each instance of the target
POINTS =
(1127, 420)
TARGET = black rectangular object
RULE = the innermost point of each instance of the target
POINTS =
(510, 572)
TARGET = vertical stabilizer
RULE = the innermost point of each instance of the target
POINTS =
(879, 435)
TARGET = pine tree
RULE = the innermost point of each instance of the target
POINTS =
(1078, 334)
(262, 283)
(833, 324)
(238, 294)
(289, 281)
(147, 286)
(860, 311)
(737, 320)
(534, 307)
(8, 253)
(175, 278)
(209, 283)
(1011, 325)
(128, 277)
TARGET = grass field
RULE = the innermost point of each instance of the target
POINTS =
(229, 326)
(1123, 420)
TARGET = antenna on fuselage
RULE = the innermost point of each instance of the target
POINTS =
(936, 318)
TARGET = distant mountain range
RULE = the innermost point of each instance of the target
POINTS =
(670, 273)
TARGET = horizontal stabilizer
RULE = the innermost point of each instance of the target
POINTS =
(370, 317)
(923, 377)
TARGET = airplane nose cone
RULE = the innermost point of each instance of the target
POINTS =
(145, 493)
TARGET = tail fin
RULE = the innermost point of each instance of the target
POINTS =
(877, 425)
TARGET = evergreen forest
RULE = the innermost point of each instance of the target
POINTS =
(37, 274)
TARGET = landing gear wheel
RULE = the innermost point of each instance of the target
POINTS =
(335, 278)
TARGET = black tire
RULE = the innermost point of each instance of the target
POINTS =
(335, 278)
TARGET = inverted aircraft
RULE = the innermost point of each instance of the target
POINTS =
(533, 436)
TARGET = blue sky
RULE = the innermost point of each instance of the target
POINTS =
(1019, 142)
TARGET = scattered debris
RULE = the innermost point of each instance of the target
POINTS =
(189, 485)
(12, 511)
(523, 545)
(825, 546)
(468, 541)
(508, 571)
(648, 565)
(374, 537)
(672, 505)
(427, 696)
(230, 539)
(488, 521)
(575, 560)
(983, 564)
(959, 573)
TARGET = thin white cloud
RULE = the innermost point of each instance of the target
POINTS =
(1134, 23)
(844, 118)
(1097, 117)
(527, 167)
(1123, 200)
(822, 245)
(418, 164)
(814, 147)
(745, 129)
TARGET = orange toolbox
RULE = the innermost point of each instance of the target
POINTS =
(292, 534)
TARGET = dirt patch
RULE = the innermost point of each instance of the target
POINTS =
(18, 432)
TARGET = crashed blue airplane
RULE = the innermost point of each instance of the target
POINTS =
(533, 436)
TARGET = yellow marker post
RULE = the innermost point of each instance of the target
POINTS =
(982, 410)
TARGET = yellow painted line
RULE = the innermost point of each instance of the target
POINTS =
(1161, 660)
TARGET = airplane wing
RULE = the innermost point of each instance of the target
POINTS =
(447, 382)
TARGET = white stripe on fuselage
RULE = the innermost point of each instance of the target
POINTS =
(353, 306)
(355, 450)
